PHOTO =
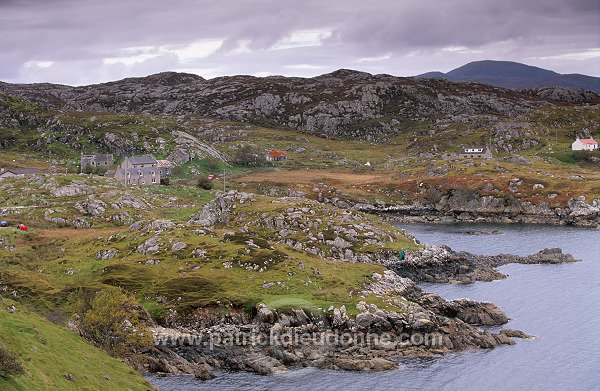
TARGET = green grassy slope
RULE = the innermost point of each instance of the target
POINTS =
(49, 352)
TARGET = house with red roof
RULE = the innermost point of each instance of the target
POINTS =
(275, 156)
(585, 144)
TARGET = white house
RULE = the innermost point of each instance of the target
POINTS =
(585, 144)
(476, 152)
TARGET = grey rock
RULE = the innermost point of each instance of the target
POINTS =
(264, 314)
(178, 246)
(265, 365)
(70, 190)
(179, 156)
(150, 246)
(477, 313)
(107, 254)
(91, 206)
(515, 334)
(203, 372)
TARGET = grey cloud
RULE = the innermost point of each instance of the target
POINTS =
(418, 24)
(75, 32)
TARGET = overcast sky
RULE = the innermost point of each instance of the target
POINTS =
(80, 42)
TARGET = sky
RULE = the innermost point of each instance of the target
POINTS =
(79, 42)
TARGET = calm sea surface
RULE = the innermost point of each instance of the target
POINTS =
(560, 304)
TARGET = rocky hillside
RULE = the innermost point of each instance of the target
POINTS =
(345, 103)
(205, 265)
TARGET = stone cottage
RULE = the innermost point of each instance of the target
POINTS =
(140, 171)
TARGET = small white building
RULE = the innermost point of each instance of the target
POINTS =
(476, 152)
(585, 144)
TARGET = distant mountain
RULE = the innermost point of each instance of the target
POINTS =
(515, 75)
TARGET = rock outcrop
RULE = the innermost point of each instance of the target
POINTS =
(439, 263)
(217, 210)
(272, 340)
(470, 206)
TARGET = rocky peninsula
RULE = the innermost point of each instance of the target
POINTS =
(367, 337)
(273, 341)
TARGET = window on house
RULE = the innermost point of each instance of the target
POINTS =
(153, 180)
(143, 182)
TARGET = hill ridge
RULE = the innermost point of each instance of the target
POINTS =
(515, 75)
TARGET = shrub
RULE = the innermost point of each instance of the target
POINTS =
(89, 169)
(212, 164)
(177, 171)
(249, 156)
(112, 320)
(10, 364)
(204, 183)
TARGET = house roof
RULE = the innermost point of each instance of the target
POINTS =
(98, 156)
(21, 171)
(103, 158)
(276, 153)
(588, 141)
(483, 149)
(142, 160)
(165, 163)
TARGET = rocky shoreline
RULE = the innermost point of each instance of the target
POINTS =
(368, 337)
(440, 264)
(273, 341)
(470, 207)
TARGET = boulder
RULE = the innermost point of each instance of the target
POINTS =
(265, 365)
(70, 190)
(215, 212)
(358, 364)
(203, 372)
(515, 334)
(264, 314)
(478, 313)
(107, 254)
(365, 320)
(179, 156)
(158, 225)
(150, 246)
(339, 316)
(178, 246)
(92, 206)
(339, 242)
